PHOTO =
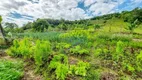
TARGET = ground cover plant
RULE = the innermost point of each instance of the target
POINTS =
(10, 70)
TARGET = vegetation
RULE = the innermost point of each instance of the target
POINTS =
(10, 70)
(79, 50)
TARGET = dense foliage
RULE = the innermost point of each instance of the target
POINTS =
(10, 70)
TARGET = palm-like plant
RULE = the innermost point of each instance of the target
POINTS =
(132, 26)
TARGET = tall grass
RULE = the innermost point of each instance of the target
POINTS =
(51, 36)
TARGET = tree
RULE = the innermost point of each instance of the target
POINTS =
(10, 27)
(132, 26)
(40, 25)
(62, 25)
(27, 26)
(2, 31)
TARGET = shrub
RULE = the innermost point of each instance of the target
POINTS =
(97, 52)
(119, 50)
(41, 52)
(78, 50)
(59, 63)
(20, 48)
(139, 61)
(62, 47)
(79, 69)
(97, 26)
(61, 71)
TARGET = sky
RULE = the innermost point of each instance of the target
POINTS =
(23, 11)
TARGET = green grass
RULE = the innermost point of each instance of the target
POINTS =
(51, 36)
(10, 70)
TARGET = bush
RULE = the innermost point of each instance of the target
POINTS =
(61, 71)
(119, 50)
(20, 48)
(97, 26)
(97, 52)
(78, 50)
(79, 69)
(27, 48)
(139, 61)
(59, 63)
(41, 52)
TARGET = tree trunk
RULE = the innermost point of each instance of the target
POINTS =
(2, 34)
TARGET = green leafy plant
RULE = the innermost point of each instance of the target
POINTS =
(61, 71)
(132, 26)
(97, 52)
(78, 50)
(59, 63)
(20, 48)
(119, 50)
(11, 70)
(41, 52)
(139, 61)
(79, 69)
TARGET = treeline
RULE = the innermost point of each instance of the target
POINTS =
(127, 16)
(40, 25)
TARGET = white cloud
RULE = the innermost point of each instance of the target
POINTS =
(89, 2)
(101, 7)
(57, 9)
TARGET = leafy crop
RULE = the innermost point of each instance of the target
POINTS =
(78, 50)
(139, 61)
(79, 69)
(119, 50)
(41, 52)
(10, 70)
(60, 64)
(20, 48)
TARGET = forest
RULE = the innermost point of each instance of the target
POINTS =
(107, 47)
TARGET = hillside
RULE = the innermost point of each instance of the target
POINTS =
(107, 47)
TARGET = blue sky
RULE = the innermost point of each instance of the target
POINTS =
(23, 11)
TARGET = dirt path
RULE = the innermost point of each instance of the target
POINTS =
(28, 69)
